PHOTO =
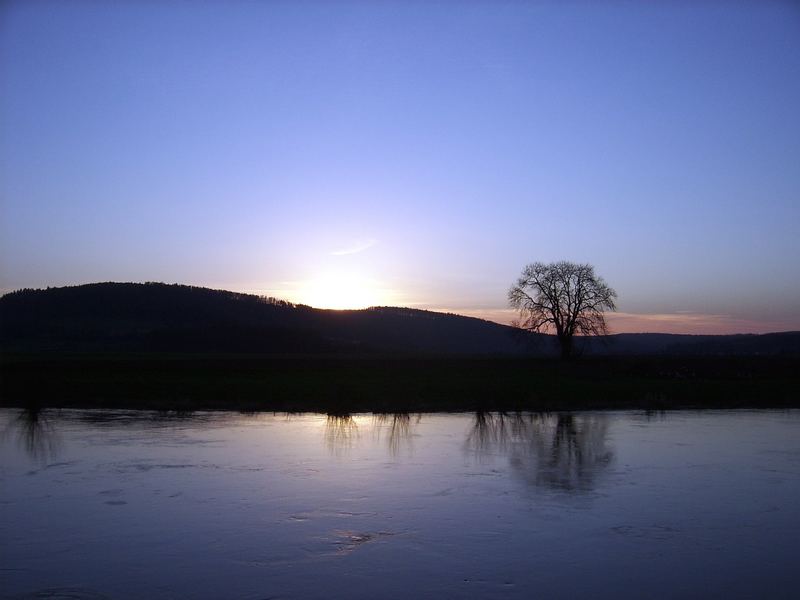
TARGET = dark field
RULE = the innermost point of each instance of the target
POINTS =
(343, 384)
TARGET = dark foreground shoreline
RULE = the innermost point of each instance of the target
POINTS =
(394, 384)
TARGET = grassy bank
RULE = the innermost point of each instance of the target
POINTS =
(346, 384)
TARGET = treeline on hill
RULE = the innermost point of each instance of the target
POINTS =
(179, 318)
(156, 317)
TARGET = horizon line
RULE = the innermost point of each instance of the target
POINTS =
(712, 323)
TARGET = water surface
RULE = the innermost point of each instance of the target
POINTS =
(114, 504)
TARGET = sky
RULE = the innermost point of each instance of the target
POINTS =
(346, 154)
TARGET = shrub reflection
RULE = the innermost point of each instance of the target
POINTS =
(35, 433)
(399, 429)
(342, 430)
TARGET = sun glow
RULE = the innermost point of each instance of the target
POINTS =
(342, 291)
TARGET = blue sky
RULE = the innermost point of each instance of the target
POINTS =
(410, 153)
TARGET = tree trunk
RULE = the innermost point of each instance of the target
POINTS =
(566, 346)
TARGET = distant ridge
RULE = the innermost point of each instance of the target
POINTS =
(157, 317)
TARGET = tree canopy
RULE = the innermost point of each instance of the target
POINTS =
(563, 298)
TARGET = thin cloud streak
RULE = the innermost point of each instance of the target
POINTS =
(692, 323)
(680, 322)
(356, 247)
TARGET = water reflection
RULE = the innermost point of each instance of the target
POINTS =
(563, 451)
(35, 433)
(399, 428)
(132, 417)
(341, 432)
(226, 506)
(492, 432)
(655, 415)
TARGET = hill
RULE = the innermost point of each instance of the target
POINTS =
(179, 318)
(156, 317)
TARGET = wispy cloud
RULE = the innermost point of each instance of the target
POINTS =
(682, 321)
(356, 247)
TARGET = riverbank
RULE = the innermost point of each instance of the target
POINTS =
(394, 384)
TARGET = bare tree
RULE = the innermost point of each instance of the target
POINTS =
(562, 298)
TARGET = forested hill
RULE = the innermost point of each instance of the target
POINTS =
(160, 317)
(177, 318)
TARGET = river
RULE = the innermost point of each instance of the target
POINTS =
(126, 504)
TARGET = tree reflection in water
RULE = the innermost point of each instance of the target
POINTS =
(342, 431)
(35, 434)
(562, 451)
(399, 427)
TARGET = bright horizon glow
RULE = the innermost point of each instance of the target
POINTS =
(340, 290)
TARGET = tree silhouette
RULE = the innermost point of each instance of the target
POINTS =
(564, 298)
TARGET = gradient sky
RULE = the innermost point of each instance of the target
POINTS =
(409, 153)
